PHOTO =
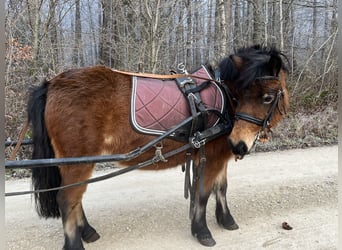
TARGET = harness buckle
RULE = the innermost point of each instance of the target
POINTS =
(197, 143)
(158, 154)
(185, 81)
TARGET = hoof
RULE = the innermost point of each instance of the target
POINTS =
(79, 248)
(73, 247)
(232, 227)
(227, 223)
(91, 238)
(90, 235)
(206, 240)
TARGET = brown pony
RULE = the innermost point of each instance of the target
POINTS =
(86, 112)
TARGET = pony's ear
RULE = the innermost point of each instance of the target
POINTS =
(275, 64)
(229, 67)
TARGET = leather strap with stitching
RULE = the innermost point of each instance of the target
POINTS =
(158, 76)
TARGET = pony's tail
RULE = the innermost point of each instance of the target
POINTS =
(42, 177)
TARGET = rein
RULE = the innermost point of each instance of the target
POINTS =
(129, 156)
(106, 176)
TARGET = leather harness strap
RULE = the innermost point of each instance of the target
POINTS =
(191, 91)
(158, 76)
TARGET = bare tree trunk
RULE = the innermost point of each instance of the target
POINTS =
(53, 35)
(281, 23)
(274, 24)
(93, 55)
(222, 24)
(105, 34)
(34, 7)
(77, 58)
(333, 25)
(314, 24)
(209, 52)
(228, 14)
(266, 22)
(196, 34)
(258, 23)
(237, 33)
(179, 37)
(189, 33)
(249, 23)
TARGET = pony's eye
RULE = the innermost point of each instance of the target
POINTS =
(267, 98)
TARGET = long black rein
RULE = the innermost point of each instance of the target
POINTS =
(118, 157)
(106, 176)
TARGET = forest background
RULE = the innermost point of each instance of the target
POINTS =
(46, 37)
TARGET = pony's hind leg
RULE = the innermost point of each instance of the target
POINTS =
(75, 223)
(223, 215)
(88, 233)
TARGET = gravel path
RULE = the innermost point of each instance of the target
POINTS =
(146, 209)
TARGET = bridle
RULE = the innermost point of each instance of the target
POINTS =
(264, 123)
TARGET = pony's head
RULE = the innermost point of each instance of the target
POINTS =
(256, 78)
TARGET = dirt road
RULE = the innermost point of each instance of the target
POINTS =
(146, 210)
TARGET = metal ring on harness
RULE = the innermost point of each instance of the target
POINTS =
(158, 154)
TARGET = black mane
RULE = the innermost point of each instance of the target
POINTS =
(258, 61)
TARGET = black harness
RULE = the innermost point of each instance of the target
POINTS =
(198, 136)
(199, 133)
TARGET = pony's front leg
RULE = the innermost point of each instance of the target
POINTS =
(199, 228)
(223, 216)
(215, 178)
(203, 187)
(75, 223)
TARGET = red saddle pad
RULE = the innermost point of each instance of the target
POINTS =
(158, 105)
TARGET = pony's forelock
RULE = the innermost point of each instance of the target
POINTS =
(255, 64)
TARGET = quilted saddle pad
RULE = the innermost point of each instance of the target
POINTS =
(158, 105)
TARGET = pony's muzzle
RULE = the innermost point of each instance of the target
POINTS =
(239, 150)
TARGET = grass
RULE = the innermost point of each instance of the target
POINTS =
(302, 130)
